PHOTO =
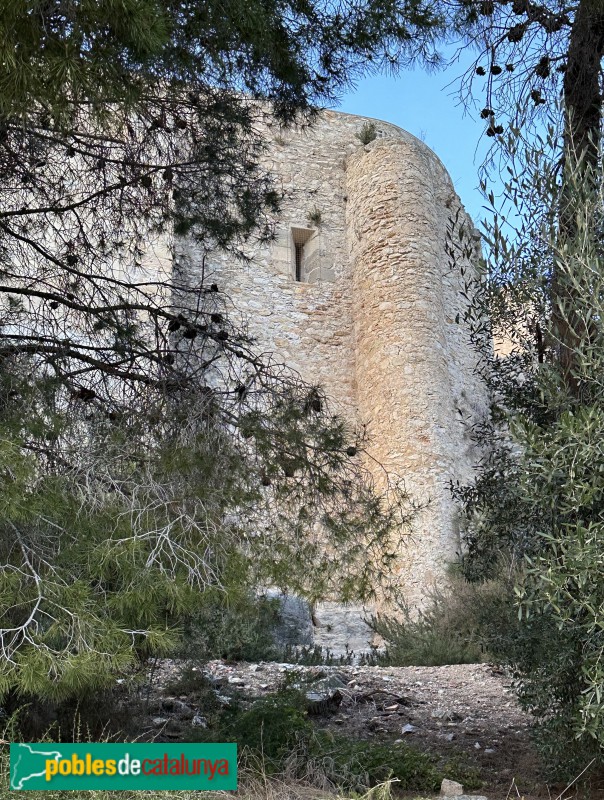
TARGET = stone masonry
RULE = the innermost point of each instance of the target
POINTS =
(359, 292)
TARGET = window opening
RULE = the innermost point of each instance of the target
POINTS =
(299, 255)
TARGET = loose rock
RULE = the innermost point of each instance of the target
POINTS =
(451, 788)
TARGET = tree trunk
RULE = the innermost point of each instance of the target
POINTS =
(583, 110)
(582, 99)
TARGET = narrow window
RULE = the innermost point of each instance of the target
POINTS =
(299, 248)
(301, 253)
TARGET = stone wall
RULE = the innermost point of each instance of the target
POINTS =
(377, 317)
(414, 364)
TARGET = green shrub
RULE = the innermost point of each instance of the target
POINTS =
(358, 765)
(460, 625)
(540, 497)
(367, 133)
(238, 629)
(277, 732)
(314, 216)
(198, 688)
(271, 728)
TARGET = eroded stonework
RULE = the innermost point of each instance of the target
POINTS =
(361, 292)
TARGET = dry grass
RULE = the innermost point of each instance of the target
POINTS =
(253, 785)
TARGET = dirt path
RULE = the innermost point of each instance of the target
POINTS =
(463, 712)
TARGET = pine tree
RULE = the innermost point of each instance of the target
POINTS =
(150, 459)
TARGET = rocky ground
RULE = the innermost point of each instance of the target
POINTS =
(463, 712)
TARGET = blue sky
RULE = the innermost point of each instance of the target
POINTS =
(427, 105)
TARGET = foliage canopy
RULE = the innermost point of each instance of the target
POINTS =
(537, 506)
(151, 459)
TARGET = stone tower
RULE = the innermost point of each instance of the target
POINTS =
(360, 293)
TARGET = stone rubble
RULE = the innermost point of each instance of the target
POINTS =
(463, 712)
